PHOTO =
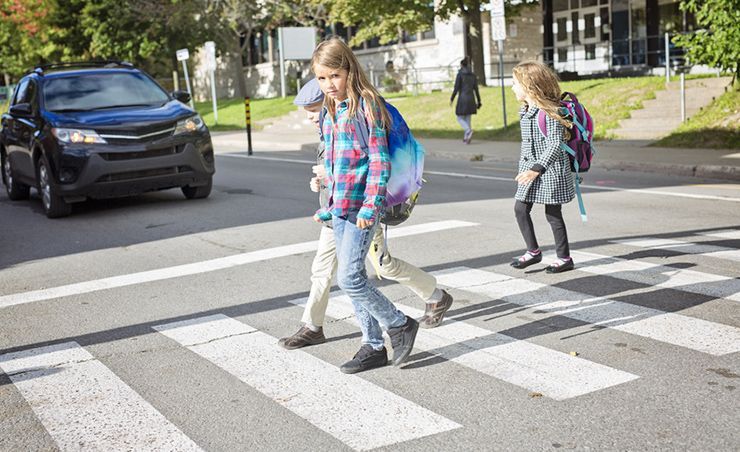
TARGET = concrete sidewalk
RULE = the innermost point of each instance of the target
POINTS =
(617, 154)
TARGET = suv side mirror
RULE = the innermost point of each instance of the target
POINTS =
(20, 110)
(182, 96)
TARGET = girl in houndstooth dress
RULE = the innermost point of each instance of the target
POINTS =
(544, 175)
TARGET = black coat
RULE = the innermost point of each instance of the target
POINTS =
(467, 85)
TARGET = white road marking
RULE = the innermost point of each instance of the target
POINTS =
(85, 406)
(724, 234)
(658, 275)
(554, 374)
(203, 266)
(353, 410)
(683, 331)
(719, 252)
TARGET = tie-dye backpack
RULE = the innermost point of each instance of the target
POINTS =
(407, 164)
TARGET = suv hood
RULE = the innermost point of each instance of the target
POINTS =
(121, 117)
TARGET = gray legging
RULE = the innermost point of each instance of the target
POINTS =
(464, 122)
(554, 215)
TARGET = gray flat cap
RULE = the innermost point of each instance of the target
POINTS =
(309, 94)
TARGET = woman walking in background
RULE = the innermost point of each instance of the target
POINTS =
(469, 102)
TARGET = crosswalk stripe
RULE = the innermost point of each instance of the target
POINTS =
(309, 387)
(689, 332)
(85, 406)
(658, 275)
(203, 266)
(724, 234)
(554, 374)
(720, 252)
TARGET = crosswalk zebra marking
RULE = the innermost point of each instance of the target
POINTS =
(719, 252)
(203, 266)
(676, 329)
(85, 406)
(554, 374)
(657, 275)
(723, 234)
(309, 387)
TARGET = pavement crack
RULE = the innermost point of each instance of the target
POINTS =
(245, 333)
(221, 245)
(50, 367)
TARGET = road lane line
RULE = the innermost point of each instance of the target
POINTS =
(658, 275)
(676, 329)
(203, 266)
(724, 234)
(85, 406)
(702, 249)
(554, 374)
(353, 410)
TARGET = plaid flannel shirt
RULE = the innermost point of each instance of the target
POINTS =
(356, 179)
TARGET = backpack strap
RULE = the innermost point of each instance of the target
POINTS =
(361, 129)
(542, 123)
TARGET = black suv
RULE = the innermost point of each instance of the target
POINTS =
(101, 130)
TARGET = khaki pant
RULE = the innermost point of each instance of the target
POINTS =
(324, 268)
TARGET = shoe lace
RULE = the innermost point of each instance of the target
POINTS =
(364, 351)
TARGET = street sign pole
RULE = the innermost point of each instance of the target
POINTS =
(498, 33)
(281, 48)
(183, 55)
(211, 63)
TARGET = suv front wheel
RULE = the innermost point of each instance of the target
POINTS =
(53, 204)
(16, 190)
(198, 192)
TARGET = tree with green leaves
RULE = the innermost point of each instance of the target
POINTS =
(24, 35)
(718, 43)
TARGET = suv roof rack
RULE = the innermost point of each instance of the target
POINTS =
(40, 69)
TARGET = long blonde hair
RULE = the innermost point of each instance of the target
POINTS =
(335, 54)
(540, 84)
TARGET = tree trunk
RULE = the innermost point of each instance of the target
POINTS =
(6, 77)
(237, 61)
(476, 42)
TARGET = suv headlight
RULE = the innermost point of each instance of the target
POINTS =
(77, 136)
(190, 124)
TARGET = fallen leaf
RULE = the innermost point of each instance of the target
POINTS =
(535, 395)
(573, 353)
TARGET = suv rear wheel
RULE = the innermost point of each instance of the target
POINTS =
(198, 192)
(53, 204)
(16, 190)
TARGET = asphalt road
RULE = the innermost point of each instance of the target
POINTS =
(151, 322)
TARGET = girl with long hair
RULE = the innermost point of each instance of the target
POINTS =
(356, 181)
(544, 175)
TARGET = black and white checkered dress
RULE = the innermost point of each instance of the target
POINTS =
(555, 184)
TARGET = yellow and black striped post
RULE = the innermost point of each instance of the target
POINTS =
(248, 115)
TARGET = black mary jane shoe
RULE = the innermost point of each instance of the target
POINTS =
(564, 267)
(516, 263)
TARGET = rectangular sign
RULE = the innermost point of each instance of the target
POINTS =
(210, 60)
(182, 54)
(298, 42)
(497, 8)
(498, 28)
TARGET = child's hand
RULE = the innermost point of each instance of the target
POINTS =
(364, 224)
(319, 171)
(317, 219)
(315, 184)
(526, 177)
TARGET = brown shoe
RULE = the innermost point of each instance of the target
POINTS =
(435, 312)
(302, 338)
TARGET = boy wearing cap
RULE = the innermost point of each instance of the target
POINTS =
(324, 264)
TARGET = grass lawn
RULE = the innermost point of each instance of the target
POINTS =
(717, 126)
(231, 114)
(608, 101)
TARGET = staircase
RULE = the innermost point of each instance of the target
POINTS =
(660, 116)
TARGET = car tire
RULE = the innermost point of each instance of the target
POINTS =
(198, 192)
(53, 204)
(16, 190)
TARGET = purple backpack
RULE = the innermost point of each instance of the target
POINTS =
(579, 148)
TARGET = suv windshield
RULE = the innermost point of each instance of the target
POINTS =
(81, 92)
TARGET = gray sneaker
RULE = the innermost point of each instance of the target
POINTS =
(302, 338)
(402, 339)
(434, 313)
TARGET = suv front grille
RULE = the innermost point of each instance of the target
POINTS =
(129, 136)
(114, 156)
(142, 174)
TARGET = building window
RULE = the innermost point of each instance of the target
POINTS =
(559, 5)
(590, 30)
(562, 54)
(585, 3)
(429, 34)
(573, 4)
(575, 35)
(562, 32)
(590, 51)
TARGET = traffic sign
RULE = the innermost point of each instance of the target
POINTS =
(182, 54)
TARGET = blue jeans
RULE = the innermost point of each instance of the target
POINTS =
(372, 308)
